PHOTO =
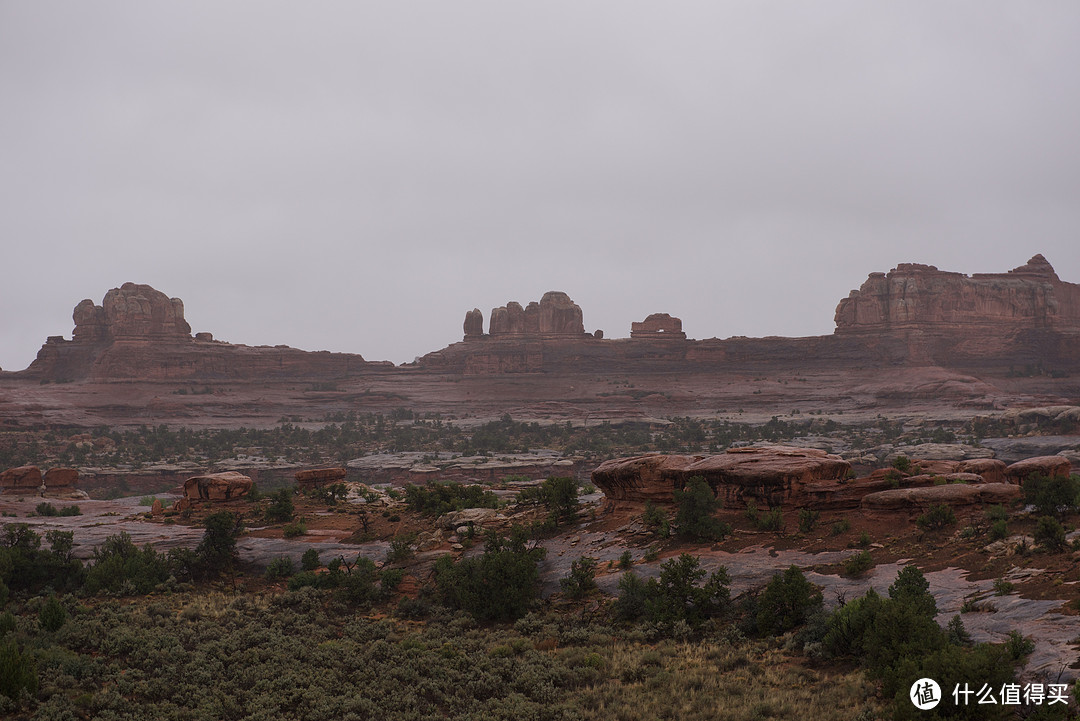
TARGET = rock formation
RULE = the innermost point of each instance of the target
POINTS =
(474, 324)
(30, 480)
(1049, 466)
(225, 486)
(554, 316)
(318, 477)
(772, 475)
(139, 333)
(952, 495)
(658, 326)
(921, 296)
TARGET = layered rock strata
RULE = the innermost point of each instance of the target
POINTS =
(226, 486)
(318, 477)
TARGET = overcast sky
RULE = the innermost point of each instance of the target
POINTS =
(355, 176)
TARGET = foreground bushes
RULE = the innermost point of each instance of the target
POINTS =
(499, 585)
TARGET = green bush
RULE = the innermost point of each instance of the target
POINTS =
(499, 585)
(582, 579)
(840, 527)
(216, 551)
(559, 494)
(7, 623)
(435, 499)
(858, 564)
(401, 548)
(1050, 534)
(808, 519)
(281, 506)
(626, 561)
(18, 671)
(786, 602)
(119, 567)
(771, 520)
(279, 568)
(694, 519)
(294, 529)
(1052, 496)
(52, 615)
(655, 519)
(997, 513)
(999, 530)
(678, 596)
(902, 464)
(1002, 587)
(310, 560)
(936, 518)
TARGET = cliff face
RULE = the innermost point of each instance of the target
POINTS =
(139, 333)
(921, 297)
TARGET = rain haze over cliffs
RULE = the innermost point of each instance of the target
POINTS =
(355, 177)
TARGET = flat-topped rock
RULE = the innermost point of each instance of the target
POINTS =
(225, 486)
(953, 494)
(318, 477)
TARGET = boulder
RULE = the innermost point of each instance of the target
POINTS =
(318, 477)
(23, 478)
(476, 516)
(650, 477)
(1049, 466)
(954, 494)
(156, 509)
(226, 486)
(60, 478)
(991, 469)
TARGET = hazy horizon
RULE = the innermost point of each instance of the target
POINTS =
(355, 177)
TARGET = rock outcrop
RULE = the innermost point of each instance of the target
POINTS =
(1049, 466)
(770, 475)
(318, 477)
(554, 316)
(139, 333)
(226, 486)
(30, 480)
(658, 326)
(953, 495)
(474, 324)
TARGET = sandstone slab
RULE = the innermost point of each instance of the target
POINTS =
(225, 486)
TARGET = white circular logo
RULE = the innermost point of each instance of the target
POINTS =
(925, 694)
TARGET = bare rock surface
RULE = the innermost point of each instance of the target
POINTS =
(951, 494)
(318, 477)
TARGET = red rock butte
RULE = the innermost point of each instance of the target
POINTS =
(913, 316)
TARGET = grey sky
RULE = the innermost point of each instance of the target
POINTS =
(354, 176)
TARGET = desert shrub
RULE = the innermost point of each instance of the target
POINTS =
(46, 509)
(626, 562)
(24, 566)
(1050, 534)
(500, 584)
(357, 586)
(694, 519)
(771, 520)
(912, 589)
(310, 560)
(559, 494)
(997, 513)
(936, 518)
(52, 615)
(786, 602)
(1051, 496)
(216, 551)
(1002, 587)
(279, 568)
(840, 527)
(294, 529)
(435, 499)
(858, 564)
(999, 530)
(330, 494)
(7, 623)
(119, 567)
(401, 548)
(18, 672)
(808, 519)
(1018, 646)
(902, 464)
(655, 519)
(679, 596)
(281, 506)
(582, 579)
